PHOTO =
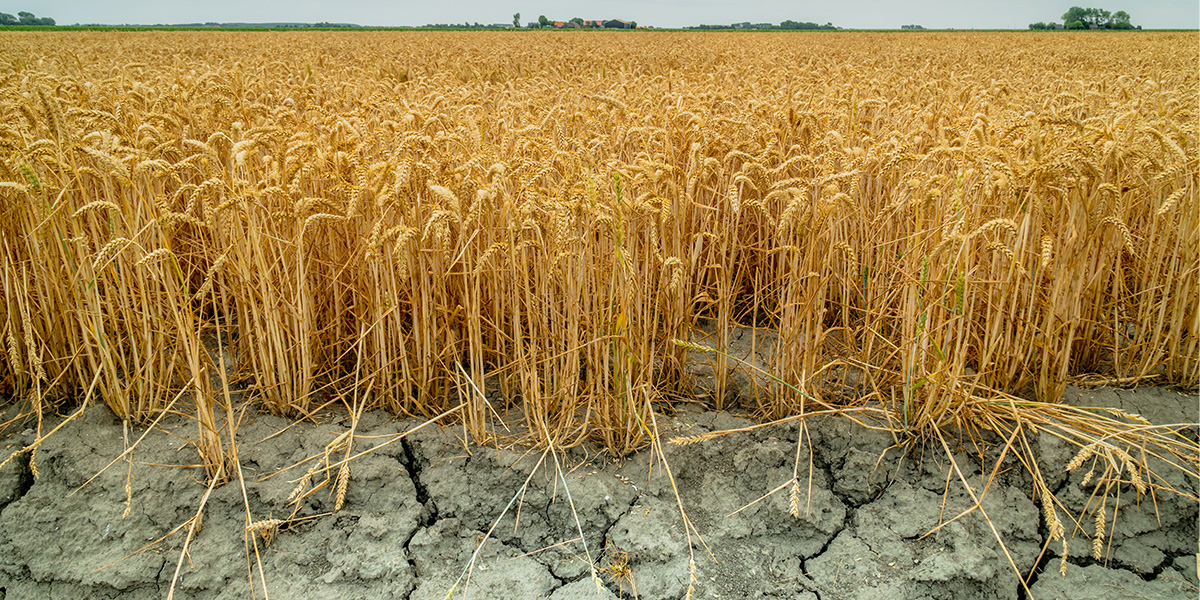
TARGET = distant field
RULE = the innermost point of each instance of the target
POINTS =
(918, 220)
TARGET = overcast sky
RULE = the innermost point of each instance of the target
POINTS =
(851, 14)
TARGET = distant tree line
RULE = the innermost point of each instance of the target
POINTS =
(24, 18)
(578, 23)
(1089, 18)
(804, 25)
(238, 25)
(463, 25)
(786, 25)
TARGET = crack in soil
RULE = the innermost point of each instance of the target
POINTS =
(1116, 564)
(1170, 559)
(158, 580)
(25, 480)
(1044, 559)
(430, 516)
(633, 501)
(1079, 562)
(1087, 560)
(828, 542)
(414, 473)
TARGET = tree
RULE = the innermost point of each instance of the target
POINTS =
(543, 21)
(1120, 20)
(1096, 18)
(24, 18)
(1086, 18)
(802, 25)
(633, 24)
(517, 20)
(578, 21)
(1038, 26)
(1075, 13)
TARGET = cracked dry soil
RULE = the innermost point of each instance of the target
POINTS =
(416, 509)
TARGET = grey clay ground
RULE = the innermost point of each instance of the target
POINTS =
(415, 511)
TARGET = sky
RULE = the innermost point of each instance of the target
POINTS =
(849, 14)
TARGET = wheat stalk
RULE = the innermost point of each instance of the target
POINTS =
(343, 481)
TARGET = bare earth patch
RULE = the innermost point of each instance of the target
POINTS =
(415, 511)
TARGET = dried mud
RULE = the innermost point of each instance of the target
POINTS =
(415, 510)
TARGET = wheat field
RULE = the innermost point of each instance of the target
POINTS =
(396, 220)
